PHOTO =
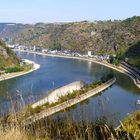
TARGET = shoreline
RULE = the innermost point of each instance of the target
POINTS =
(17, 74)
(66, 104)
(119, 69)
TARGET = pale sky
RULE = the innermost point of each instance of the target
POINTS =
(32, 11)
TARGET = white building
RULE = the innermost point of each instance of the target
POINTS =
(53, 52)
(44, 50)
(10, 46)
(34, 48)
(90, 53)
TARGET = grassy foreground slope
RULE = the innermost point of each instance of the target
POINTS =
(67, 129)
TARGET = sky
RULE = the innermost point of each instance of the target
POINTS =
(33, 11)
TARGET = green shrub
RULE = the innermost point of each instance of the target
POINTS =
(14, 69)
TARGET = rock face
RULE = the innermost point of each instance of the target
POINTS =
(3, 52)
(7, 57)
(57, 93)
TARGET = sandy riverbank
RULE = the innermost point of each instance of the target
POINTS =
(117, 68)
(17, 74)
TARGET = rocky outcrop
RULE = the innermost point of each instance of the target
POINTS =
(7, 56)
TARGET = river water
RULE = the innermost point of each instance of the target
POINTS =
(113, 104)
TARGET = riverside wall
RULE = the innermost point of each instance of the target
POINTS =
(54, 95)
(66, 104)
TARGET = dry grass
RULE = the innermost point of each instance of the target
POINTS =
(61, 129)
(132, 124)
(13, 134)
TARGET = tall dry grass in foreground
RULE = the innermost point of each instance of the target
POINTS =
(13, 134)
(63, 130)
(59, 128)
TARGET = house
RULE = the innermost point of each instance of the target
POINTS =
(34, 48)
(11, 46)
(90, 53)
(20, 47)
(37, 49)
(44, 50)
(53, 52)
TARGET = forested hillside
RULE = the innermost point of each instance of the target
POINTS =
(103, 37)
(100, 36)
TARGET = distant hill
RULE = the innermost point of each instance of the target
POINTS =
(10, 30)
(103, 37)
(7, 57)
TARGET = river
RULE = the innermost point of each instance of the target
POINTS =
(113, 104)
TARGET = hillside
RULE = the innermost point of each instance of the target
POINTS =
(133, 54)
(9, 30)
(102, 37)
(7, 57)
